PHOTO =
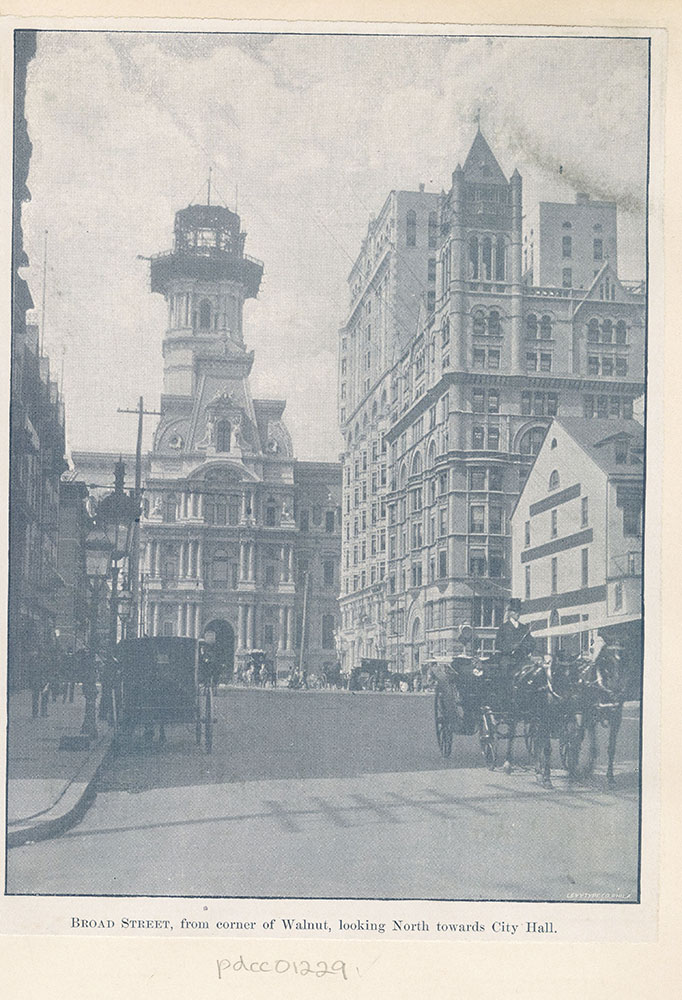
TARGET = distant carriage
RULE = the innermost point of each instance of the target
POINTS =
(371, 675)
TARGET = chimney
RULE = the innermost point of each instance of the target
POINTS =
(421, 188)
(582, 198)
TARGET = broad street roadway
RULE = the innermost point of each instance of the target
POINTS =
(331, 794)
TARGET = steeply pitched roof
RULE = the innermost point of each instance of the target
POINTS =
(598, 439)
(480, 166)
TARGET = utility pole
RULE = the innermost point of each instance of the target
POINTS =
(134, 562)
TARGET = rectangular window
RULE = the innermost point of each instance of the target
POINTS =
(443, 522)
(598, 250)
(526, 534)
(539, 404)
(588, 406)
(477, 438)
(479, 357)
(493, 359)
(607, 366)
(555, 528)
(493, 439)
(329, 522)
(477, 565)
(495, 478)
(477, 479)
(328, 566)
(527, 589)
(555, 575)
(545, 362)
(526, 404)
(416, 574)
(496, 520)
(496, 564)
(584, 566)
(478, 401)
(442, 563)
(592, 365)
(618, 596)
(614, 406)
(531, 362)
(584, 512)
(493, 401)
(477, 520)
(627, 409)
(602, 407)
(621, 366)
(567, 277)
(552, 404)
(566, 246)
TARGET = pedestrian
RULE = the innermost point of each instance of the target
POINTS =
(37, 682)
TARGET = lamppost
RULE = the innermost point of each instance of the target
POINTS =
(97, 558)
(116, 515)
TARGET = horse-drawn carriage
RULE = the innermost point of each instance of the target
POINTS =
(371, 675)
(162, 682)
(542, 697)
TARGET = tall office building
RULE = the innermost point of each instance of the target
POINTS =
(469, 399)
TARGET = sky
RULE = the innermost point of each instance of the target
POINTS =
(306, 136)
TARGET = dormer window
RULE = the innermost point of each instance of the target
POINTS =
(223, 436)
(205, 315)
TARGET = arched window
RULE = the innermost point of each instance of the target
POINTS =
(205, 314)
(411, 237)
(223, 435)
(546, 327)
(417, 464)
(494, 328)
(593, 331)
(607, 331)
(431, 456)
(621, 332)
(433, 230)
(531, 326)
(473, 257)
(554, 479)
(500, 259)
(479, 322)
(374, 409)
(403, 475)
(531, 442)
(487, 258)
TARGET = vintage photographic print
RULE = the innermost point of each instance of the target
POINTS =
(327, 467)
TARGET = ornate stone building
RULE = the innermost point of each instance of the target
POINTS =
(232, 523)
(467, 404)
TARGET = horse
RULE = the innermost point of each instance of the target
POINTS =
(606, 686)
(510, 690)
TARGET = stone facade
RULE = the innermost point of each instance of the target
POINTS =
(231, 521)
(466, 407)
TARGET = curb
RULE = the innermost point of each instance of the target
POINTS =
(69, 809)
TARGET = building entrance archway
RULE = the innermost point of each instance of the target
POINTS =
(224, 640)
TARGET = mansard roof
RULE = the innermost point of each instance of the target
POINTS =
(480, 166)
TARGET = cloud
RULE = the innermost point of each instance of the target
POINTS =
(313, 132)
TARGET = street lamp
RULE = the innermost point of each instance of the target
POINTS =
(97, 559)
(125, 608)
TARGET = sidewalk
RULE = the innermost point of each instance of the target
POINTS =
(48, 789)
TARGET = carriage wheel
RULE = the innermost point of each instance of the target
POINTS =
(578, 751)
(443, 727)
(208, 721)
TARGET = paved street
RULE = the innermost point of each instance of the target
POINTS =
(325, 794)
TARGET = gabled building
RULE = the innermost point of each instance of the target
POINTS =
(469, 400)
(577, 533)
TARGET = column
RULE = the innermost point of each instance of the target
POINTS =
(284, 563)
(281, 639)
(290, 570)
(244, 506)
(240, 626)
(290, 629)
(155, 618)
(252, 631)
(252, 561)
(242, 560)
(249, 625)
(198, 560)
(200, 513)
(197, 621)
(181, 629)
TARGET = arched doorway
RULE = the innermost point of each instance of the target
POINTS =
(224, 640)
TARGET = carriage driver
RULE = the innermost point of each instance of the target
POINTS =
(514, 642)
